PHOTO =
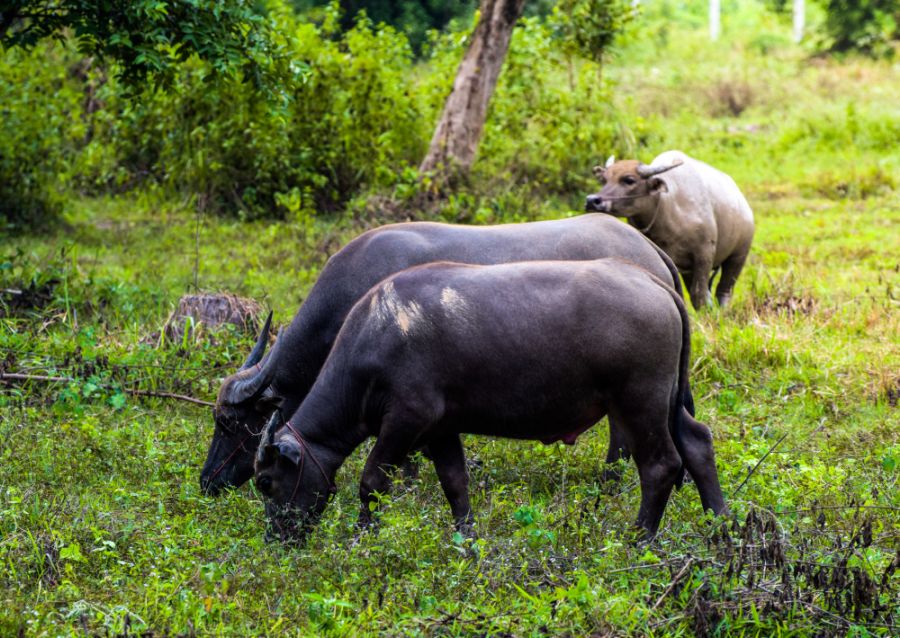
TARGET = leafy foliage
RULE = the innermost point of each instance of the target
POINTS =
(589, 27)
(146, 37)
(869, 26)
(36, 144)
(351, 113)
(414, 18)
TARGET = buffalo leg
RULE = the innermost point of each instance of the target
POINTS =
(409, 470)
(618, 450)
(731, 268)
(646, 427)
(712, 279)
(697, 452)
(450, 464)
(390, 450)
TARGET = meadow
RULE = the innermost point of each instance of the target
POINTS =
(104, 530)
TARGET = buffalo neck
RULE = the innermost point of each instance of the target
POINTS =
(647, 220)
(330, 416)
(308, 340)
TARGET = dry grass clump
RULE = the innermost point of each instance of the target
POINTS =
(210, 310)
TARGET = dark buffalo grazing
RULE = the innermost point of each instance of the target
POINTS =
(247, 398)
(696, 214)
(533, 350)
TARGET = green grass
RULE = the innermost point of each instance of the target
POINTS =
(103, 528)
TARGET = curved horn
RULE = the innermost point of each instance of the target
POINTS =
(268, 436)
(610, 161)
(259, 349)
(649, 171)
(248, 383)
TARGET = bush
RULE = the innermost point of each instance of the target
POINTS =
(344, 118)
(40, 126)
(867, 26)
(353, 114)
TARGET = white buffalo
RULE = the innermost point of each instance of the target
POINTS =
(695, 213)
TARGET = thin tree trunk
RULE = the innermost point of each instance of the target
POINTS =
(456, 137)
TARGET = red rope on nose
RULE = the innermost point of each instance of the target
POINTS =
(231, 456)
(305, 450)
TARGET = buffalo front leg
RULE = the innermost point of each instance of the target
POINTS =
(390, 450)
(449, 460)
(700, 276)
(618, 450)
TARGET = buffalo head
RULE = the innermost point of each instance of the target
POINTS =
(295, 476)
(629, 188)
(244, 403)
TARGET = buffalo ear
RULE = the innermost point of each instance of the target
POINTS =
(658, 186)
(289, 449)
(268, 403)
(599, 173)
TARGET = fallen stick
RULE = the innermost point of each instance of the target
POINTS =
(674, 582)
(8, 377)
(758, 463)
(168, 395)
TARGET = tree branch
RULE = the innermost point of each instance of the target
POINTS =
(9, 377)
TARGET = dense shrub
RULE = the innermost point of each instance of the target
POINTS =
(343, 117)
(40, 125)
(868, 26)
(415, 18)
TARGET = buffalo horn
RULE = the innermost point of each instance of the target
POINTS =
(248, 383)
(259, 349)
(649, 171)
(610, 161)
(268, 436)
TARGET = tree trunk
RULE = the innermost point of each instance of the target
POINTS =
(456, 137)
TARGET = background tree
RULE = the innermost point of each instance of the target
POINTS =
(455, 140)
(588, 28)
(146, 37)
(415, 18)
(869, 26)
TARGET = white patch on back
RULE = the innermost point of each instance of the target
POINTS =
(453, 303)
(387, 308)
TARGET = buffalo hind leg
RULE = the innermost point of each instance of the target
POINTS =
(700, 461)
(449, 460)
(712, 278)
(731, 268)
(646, 428)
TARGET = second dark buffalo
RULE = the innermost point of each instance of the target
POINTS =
(537, 351)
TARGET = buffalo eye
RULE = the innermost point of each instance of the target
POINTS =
(629, 181)
(264, 483)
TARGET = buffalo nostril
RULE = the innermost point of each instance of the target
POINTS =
(207, 487)
(593, 203)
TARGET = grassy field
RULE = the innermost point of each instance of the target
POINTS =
(103, 529)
